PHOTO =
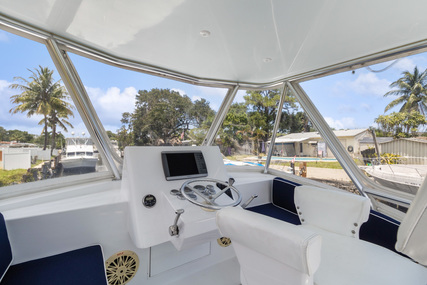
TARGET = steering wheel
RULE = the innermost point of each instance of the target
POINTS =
(209, 190)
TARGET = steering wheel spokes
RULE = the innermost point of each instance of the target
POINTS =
(210, 190)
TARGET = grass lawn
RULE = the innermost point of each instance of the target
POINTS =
(324, 164)
(7, 177)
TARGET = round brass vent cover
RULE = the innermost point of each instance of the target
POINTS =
(121, 267)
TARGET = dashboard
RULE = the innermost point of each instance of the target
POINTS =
(152, 179)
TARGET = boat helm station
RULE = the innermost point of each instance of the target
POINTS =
(185, 188)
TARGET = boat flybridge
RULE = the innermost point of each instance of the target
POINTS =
(176, 214)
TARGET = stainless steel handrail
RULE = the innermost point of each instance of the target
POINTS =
(276, 126)
(83, 104)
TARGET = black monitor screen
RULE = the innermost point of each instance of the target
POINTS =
(183, 165)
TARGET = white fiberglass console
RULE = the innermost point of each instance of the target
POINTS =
(152, 178)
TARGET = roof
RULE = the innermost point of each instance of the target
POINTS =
(370, 140)
(297, 137)
(419, 140)
(254, 41)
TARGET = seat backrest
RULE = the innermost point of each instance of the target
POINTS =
(270, 251)
(5, 249)
(412, 232)
(336, 211)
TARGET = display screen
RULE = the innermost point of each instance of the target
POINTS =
(183, 165)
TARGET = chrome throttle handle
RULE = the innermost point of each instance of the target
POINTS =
(249, 201)
(174, 230)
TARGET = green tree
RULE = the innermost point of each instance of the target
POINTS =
(3, 134)
(41, 95)
(295, 122)
(412, 92)
(235, 129)
(203, 117)
(399, 124)
(19, 136)
(111, 135)
(253, 120)
(160, 116)
(60, 110)
(262, 107)
(125, 133)
(201, 111)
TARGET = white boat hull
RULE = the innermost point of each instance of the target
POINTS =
(79, 164)
(406, 178)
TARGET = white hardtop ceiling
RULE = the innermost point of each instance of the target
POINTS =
(248, 41)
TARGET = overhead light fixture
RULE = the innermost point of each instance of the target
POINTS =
(205, 33)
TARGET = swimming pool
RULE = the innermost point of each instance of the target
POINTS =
(301, 158)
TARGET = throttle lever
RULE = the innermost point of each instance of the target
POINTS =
(174, 230)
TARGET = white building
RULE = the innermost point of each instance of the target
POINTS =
(311, 144)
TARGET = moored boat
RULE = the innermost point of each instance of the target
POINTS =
(78, 156)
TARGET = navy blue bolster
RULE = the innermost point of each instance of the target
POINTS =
(283, 194)
(380, 229)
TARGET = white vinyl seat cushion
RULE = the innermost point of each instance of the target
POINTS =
(345, 259)
(351, 261)
(270, 251)
(412, 233)
(332, 210)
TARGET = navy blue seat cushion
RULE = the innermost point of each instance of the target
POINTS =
(5, 249)
(283, 194)
(82, 266)
(381, 230)
(283, 206)
(277, 213)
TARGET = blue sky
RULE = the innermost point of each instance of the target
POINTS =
(346, 100)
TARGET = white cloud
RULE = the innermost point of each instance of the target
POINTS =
(195, 98)
(4, 37)
(405, 64)
(110, 104)
(369, 84)
(18, 121)
(181, 92)
(4, 85)
(343, 123)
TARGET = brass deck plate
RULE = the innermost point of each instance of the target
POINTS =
(121, 267)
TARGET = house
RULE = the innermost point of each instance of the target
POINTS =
(368, 142)
(311, 143)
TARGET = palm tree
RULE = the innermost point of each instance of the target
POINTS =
(41, 95)
(60, 110)
(412, 89)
